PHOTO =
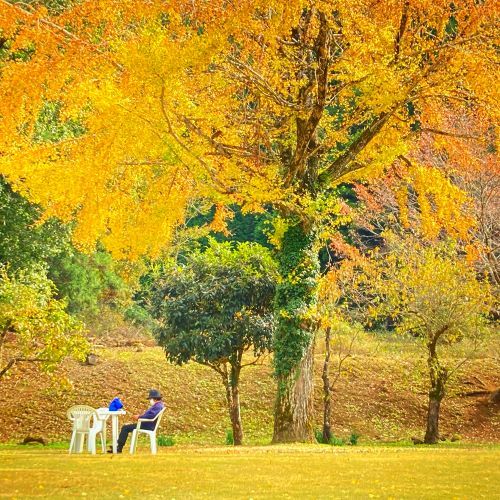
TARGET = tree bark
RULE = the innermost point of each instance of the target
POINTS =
(432, 431)
(234, 410)
(294, 338)
(231, 384)
(327, 396)
(7, 367)
(438, 378)
(293, 420)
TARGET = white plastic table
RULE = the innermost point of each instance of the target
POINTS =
(104, 414)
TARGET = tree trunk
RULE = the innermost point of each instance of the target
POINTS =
(327, 396)
(432, 432)
(438, 377)
(234, 410)
(231, 383)
(294, 339)
(293, 420)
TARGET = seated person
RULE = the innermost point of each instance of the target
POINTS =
(156, 405)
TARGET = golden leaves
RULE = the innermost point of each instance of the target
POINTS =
(181, 100)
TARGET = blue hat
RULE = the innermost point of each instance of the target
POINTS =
(154, 394)
(116, 404)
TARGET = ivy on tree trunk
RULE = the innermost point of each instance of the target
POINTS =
(294, 339)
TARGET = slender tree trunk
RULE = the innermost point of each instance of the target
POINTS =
(231, 383)
(294, 339)
(234, 410)
(229, 393)
(327, 396)
(438, 377)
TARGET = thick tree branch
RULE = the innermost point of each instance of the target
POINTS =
(20, 359)
(401, 31)
(345, 163)
(431, 345)
(256, 361)
(7, 367)
(306, 129)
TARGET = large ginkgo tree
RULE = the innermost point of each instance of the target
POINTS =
(263, 103)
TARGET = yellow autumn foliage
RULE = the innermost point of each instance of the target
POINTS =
(257, 103)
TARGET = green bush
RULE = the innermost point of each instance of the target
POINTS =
(165, 441)
(353, 438)
(138, 316)
(334, 441)
(39, 327)
(319, 436)
(229, 437)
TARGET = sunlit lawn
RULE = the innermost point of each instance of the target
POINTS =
(255, 472)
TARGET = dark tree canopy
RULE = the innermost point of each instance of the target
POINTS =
(216, 304)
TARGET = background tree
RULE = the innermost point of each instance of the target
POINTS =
(88, 282)
(342, 301)
(34, 325)
(434, 295)
(215, 307)
(23, 243)
(255, 103)
(395, 210)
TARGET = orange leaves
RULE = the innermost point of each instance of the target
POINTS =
(219, 222)
(343, 249)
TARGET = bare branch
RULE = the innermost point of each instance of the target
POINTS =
(20, 359)
(449, 134)
(255, 361)
(251, 76)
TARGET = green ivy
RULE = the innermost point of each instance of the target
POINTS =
(299, 270)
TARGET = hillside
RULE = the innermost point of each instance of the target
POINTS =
(381, 397)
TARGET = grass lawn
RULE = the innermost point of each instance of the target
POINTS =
(299, 471)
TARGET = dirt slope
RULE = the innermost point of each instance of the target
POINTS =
(381, 397)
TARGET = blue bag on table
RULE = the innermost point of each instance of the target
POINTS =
(116, 404)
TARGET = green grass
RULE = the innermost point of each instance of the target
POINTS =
(299, 471)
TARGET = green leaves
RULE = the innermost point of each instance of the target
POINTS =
(296, 293)
(432, 292)
(87, 281)
(34, 326)
(216, 304)
(23, 242)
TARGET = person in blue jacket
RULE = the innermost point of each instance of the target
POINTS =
(156, 405)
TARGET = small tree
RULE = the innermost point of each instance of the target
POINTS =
(213, 308)
(436, 296)
(34, 326)
(341, 295)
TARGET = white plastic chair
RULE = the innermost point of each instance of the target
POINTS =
(86, 422)
(151, 434)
